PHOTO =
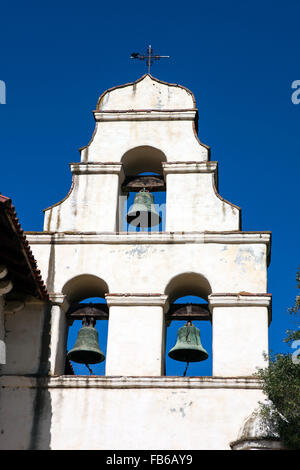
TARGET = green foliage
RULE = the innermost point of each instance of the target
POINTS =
(281, 385)
(295, 310)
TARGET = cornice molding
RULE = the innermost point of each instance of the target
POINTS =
(189, 167)
(241, 299)
(96, 168)
(230, 237)
(59, 300)
(110, 382)
(136, 299)
(145, 115)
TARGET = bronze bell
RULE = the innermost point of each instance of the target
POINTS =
(188, 347)
(142, 213)
(86, 349)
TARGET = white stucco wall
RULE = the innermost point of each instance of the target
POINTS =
(240, 338)
(147, 262)
(81, 254)
(148, 114)
(146, 93)
(140, 263)
(24, 337)
(192, 202)
(125, 413)
(139, 333)
(175, 138)
(91, 204)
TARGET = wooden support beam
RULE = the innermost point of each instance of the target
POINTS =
(151, 182)
(176, 312)
(188, 311)
(80, 311)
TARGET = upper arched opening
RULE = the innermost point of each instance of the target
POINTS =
(143, 159)
(188, 284)
(83, 287)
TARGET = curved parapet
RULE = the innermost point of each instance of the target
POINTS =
(146, 93)
(147, 112)
(144, 126)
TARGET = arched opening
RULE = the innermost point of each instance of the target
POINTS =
(187, 295)
(88, 308)
(143, 159)
(84, 286)
(143, 172)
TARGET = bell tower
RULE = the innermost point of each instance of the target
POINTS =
(186, 241)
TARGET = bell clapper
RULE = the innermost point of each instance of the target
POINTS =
(90, 370)
(187, 364)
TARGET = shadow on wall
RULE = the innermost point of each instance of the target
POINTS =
(40, 435)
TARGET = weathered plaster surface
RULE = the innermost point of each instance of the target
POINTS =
(128, 413)
(146, 93)
(2, 332)
(240, 339)
(23, 333)
(145, 356)
(148, 267)
(83, 253)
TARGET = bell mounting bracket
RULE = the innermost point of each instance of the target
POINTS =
(88, 313)
(92, 312)
(188, 312)
(152, 183)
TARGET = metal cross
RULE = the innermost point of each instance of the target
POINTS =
(150, 57)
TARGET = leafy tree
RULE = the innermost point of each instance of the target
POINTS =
(295, 310)
(281, 385)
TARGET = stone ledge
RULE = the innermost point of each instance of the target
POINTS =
(146, 115)
(118, 382)
(240, 299)
(136, 299)
(96, 168)
(230, 237)
(189, 167)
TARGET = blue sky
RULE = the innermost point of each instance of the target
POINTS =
(238, 58)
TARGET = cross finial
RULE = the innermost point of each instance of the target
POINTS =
(150, 57)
